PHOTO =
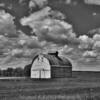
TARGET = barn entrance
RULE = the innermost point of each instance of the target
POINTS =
(41, 68)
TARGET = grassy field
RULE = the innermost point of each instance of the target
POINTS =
(82, 86)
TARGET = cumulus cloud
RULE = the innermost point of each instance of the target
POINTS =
(49, 29)
(7, 27)
(51, 47)
(71, 2)
(92, 32)
(96, 37)
(40, 15)
(96, 45)
(95, 2)
(21, 1)
(37, 16)
(90, 47)
(31, 4)
(57, 15)
(24, 53)
(83, 38)
(90, 54)
(88, 43)
(3, 39)
(2, 5)
(85, 42)
(6, 43)
(16, 52)
(68, 1)
(39, 3)
(29, 41)
(66, 50)
(55, 31)
(20, 45)
(89, 57)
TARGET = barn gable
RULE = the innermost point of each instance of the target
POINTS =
(41, 68)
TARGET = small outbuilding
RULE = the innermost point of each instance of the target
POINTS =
(46, 66)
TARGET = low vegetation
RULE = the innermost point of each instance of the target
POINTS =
(79, 87)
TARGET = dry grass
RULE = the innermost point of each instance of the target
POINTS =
(76, 88)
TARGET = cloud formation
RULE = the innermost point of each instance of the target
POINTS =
(95, 2)
(51, 32)
(90, 47)
(7, 27)
(92, 32)
(36, 16)
(86, 43)
(90, 54)
(55, 30)
(66, 50)
(96, 46)
(20, 46)
(50, 29)
(29, 41)
(39, 3)
(24, 53)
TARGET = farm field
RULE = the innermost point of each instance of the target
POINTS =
(79, 87)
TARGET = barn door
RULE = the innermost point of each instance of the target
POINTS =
(45, 74)
(40, 74)
(41, 68)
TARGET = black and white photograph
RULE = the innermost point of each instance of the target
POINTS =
(49, 49)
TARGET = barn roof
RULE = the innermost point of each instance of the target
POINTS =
(56, 60)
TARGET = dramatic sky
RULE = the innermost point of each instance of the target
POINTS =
(28, 27)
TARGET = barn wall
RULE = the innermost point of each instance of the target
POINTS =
(41, 68)
(60, 72)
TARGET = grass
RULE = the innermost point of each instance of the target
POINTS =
(79, 87)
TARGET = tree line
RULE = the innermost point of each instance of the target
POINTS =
(16, 72)
(11, 72)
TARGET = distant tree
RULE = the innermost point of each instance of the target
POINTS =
(0, 72)
(10, 71)
(19, 72)
(27, 70)
(4, 73)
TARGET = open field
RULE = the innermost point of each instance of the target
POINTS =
(82, 86)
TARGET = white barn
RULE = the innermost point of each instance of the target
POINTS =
(46, 66)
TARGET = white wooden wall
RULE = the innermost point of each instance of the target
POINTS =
(41, 68)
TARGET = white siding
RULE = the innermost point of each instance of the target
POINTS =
(41, 68)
